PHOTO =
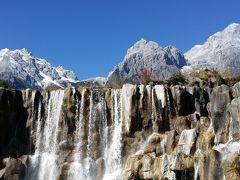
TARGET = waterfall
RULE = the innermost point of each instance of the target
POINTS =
(76, 168)
(196, 168)
(198, 155)
(109, 145)
(96, 139)
(47, 169)
(43, 162)
(39, 123)
(88, 133)
(89, 162)
(228, 148)
(33, 94)
(113, 153)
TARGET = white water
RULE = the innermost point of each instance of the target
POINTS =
(127, 92)
(107, 145)
(196, 168)
(228, 148)
(39, 124)
(160, 93)
(113, 153)
(198, 154)
(89, 162)
(43, 162)
(76, 168)
(110, 145)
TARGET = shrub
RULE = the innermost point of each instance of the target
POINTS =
(205, 74)
(4, 84)
(237, 78)
(145, 76)
(177, 79)
(208, 76)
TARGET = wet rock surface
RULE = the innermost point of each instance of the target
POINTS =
(14, 168)
(137, 132)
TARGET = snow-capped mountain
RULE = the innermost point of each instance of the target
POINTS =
(162, 62)
(93, 82)
(23, 70)
(220, 52)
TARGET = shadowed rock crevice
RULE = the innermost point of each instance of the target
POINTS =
(14, 136)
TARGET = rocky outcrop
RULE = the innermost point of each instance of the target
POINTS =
(220, 98)
(137, 132)
(200, 119)
(162, 63)
(14, 168)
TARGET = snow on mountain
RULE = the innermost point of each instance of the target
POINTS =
(220, 52)
(23, 70)
(162, 62)
(93, 82)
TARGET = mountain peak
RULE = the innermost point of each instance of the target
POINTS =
(232, 26)
(142, 46)
(221, 51)
(141, 41)
(23, 70)
(172, 48)
(3, 51)
(162, 62)
(25, 51)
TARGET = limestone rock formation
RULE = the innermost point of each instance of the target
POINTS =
(14, 168)
(136, 132)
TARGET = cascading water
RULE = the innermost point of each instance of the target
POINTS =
(198, 154)
(196, 168)
(89, 162)
(102, 140)
(113, 153)
(109, 142)
(76, 168)
(97, 132)
(93, 134)
(38, 134)
(43, 162)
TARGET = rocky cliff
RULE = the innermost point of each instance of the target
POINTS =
(136, 132)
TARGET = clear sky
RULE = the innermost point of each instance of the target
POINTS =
(91, 36)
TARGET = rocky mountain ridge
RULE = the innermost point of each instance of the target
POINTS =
(220, 52)
(161, 62)
(21, 70)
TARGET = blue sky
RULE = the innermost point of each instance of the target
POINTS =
(91, 36)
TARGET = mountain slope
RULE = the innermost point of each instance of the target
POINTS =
(93, 82)
(162, 62)
(22, 70)
(220, 52)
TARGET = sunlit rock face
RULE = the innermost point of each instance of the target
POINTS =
(21, 70)
(136, 132)
(220, 52)
(161, 62)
